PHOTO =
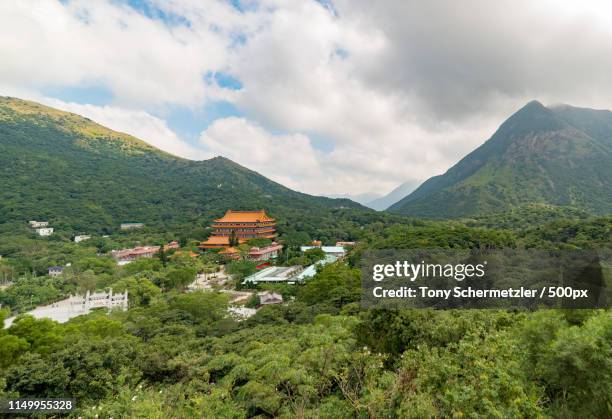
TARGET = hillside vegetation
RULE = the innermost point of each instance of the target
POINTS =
(82, 177)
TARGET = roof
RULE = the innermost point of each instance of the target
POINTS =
(135, 252)
(216, 240)
(269, 297)
(326, 249)
(232, 216)
(311, 270)
(229, 250)
(274, 274)
(263, 250)
(144, 250)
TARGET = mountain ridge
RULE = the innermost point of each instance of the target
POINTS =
(536, 155)
(83, 176)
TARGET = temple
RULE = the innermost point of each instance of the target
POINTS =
(243, 225)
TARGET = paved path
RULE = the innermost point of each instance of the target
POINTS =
(62, 311)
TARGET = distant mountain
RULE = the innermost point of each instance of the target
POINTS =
(60, 167)
(362, 199)
(392, 197)
(560, 155)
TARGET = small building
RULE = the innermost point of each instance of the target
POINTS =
(345, 244)
(131, 226)
(230, 253)
(274, 274)
(124, 256)
(172, 245)
(337, 251)
(265, 253)
(316, 243)
(55, 270)
(38, 224)
(44, 231)
(81, 238)
(215, 242)
(128, 255)
(267, 297)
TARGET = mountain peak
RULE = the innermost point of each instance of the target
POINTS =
(533, 108)
(556, 156)
(533, 117)
(534, 104)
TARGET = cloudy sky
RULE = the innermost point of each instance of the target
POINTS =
(326, 97)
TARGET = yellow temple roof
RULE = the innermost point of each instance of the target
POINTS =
(232, 216)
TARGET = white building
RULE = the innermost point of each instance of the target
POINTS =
(55, 270)
(131, 226)
(337, 251)
(274, 274)
(38, 224)
(78, 239)
(45, 231)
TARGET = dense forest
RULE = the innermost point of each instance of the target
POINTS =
(177, 354)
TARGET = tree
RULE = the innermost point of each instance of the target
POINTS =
(203, 306)
(259, 242)
(141, 291)
(11, 347)
(335, 283)
(177, 278)
(314, 255)
(161, 254)
(233, 240)
(240, 269)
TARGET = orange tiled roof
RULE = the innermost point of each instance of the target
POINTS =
(244, 217)
(229, 251)
(180, 253)
(216, 240)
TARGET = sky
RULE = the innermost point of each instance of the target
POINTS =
(328, 97)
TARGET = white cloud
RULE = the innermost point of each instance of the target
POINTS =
(287, 159)
(142, 61)
(399, 90)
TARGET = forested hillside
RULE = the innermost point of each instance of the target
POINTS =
(82, 177)
(177, 354)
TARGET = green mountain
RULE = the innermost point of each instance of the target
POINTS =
(559, 155)
(83, 177)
